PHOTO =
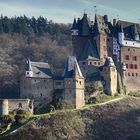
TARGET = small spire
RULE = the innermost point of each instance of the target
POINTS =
(95, 8)
(74, 26)
(29, 65)
(76, 71)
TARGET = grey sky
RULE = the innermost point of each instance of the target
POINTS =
(65, 10)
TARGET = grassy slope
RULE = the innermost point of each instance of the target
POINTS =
(118, 120)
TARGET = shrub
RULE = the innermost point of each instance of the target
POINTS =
(65, 105)
(22, 116)
(100, 98)
(6, 119)
(135, 94)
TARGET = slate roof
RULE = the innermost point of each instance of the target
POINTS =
(72, 68)
(74, 25)
(39, 69)
(90, 51)
(83, 25)
(130, 29)
(102, 25)
(109, 62)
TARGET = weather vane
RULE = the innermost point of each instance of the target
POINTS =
(117, 17)
(95, 8)
(85, 10)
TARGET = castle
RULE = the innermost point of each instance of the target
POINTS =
(39, 83)
(100, 41)
(104, 52)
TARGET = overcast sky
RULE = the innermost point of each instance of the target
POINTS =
(65, 10)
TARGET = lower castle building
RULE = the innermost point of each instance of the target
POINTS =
(39, 83)
(10, 105)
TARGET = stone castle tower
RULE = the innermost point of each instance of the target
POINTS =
(109, 76)
(74, 83)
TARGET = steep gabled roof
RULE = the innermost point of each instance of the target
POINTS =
(130, 29)
(39, 69)
(102, 25)
(74, 25)
(85, 25)
(90, 51)
(109, 62)
(72, 68)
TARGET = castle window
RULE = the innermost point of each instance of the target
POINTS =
(132, 74)
(135, 66)
(35, 80)
(134, 58)
(80, 82)
(90, 63)
(58, 83)
(128, 74)
(95, 63)
(129, 49)
(126, 65)
(131, 66)
(127, 57)
(98, 63)
(37, 87)
(41, 94)
(136, 74)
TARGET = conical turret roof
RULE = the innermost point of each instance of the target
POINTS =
(72, 68)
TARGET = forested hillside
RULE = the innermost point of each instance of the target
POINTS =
(37, 39)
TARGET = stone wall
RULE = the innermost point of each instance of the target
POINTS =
(58, 84)
(37, 88)
(74, 91)
(9, 105)
(23, 104)
(4, 107)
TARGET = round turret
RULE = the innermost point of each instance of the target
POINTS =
(4, 107)
(124, 67)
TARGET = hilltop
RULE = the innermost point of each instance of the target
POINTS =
(116, 120)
